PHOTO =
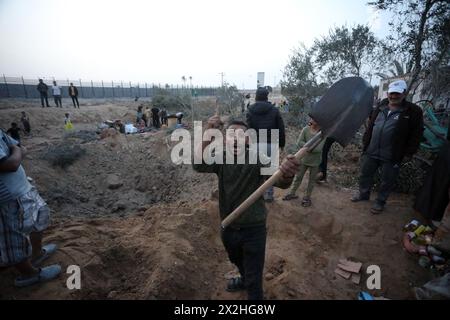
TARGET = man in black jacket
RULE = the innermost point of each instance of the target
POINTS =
(73, 93)
(43, 88)
(392, 136)
(264, 115)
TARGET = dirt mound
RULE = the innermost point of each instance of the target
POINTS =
(160, 254)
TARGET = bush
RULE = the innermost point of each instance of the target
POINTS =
(63, 155)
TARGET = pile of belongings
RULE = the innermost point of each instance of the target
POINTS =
(418, 239)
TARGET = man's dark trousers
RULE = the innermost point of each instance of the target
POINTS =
(44, 96)
(246, 248)
(156, 123)
(389, 173)
(326, 149)
(75, 99)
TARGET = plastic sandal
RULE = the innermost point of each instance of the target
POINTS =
(45, 274)
(47, 251)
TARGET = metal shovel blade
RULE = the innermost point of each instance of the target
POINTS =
(344, 108)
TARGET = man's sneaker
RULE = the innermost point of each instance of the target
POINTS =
(377, 208)
(358, 197)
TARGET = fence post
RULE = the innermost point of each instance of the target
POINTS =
(24, 88)
(6, 84)
(92, 87)
(121, 83)
(112, 83)
(131, 91)
(103, 89)
(81, 89)
(146, 93)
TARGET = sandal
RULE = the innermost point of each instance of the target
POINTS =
(45, 274)
(47, 251)
(306, 202)
(290, 196)
(235, 284)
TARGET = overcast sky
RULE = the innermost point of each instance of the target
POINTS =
(160, 41)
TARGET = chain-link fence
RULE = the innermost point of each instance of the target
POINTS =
(18, 87)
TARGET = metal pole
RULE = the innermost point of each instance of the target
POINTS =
(92, 87)
(24, 88)
(146, 94)
(103, 89)
(131, 91)
(81, 89)
(112, 83)
(121, 83)
(6, 84)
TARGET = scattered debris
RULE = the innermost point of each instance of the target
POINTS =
(349, 270)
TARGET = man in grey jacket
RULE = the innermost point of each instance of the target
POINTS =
(393, 135)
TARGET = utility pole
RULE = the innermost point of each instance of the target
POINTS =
(222, 74)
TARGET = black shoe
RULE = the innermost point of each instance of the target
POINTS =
(358, 198)
(377, 208)
(235, 284)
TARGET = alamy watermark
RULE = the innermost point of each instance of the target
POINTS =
(238, 146)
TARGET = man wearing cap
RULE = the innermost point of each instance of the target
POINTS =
(264, 115)
(392, 136)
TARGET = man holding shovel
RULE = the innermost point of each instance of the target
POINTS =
(245, 238)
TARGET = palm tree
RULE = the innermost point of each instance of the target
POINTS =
(183, 78)
(398, 70)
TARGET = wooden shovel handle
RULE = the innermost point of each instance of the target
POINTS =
(309, 146)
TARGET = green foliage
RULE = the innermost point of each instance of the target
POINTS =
(347, 51)
(173, 100)
(420, 33)
(229, 99)
(299, 83)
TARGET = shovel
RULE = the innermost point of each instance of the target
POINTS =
(339, 113)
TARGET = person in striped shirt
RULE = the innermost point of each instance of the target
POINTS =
(24, 215)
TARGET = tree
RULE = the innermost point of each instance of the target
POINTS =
(347, 51)
(166, 98)
(299, 83)
(398, 70)
(421, 32)
(229, 99)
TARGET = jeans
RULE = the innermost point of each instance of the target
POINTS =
(389, 173)
(58, 100)
(246, 248)
(75, 99)
(156, 123)
(44, 96)
(267, 150)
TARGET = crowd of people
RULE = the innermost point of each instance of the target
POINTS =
(154, 117)
(56, 90)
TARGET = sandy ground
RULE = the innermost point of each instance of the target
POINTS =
(157, 235)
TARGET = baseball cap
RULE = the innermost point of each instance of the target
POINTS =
(398, 86)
